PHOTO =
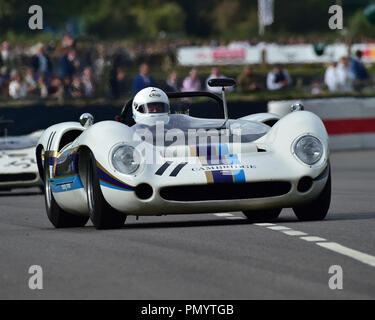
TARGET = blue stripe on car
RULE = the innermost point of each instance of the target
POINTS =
(109, 181)
(219, 155)
(64, 184)
(102, 183)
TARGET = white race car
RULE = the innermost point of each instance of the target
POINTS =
(18, 168)
(150, 162)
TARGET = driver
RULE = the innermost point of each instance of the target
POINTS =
(151, 105)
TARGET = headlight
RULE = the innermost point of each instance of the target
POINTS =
(308, 149)
(126, 159)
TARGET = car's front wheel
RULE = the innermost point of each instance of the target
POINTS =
(262, 215)
(58, 217)
(102, 215)
(317, 209)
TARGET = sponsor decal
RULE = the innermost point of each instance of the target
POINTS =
(154, 94)
(224, 167)
(65, 187)
(68, 183)
(24, 163)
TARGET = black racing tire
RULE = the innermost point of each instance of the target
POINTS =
(263, 215)
(102, 215)
(318, 209)
(58, 217)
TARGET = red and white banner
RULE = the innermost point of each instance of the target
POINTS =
(368, 51)
(273, 53)
(304, 54)
(196, 56)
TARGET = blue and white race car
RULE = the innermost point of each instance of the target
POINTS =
(18, 168)
(151, 162)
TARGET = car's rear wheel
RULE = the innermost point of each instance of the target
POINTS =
(58, 217)
(262, 215)
(102, 215)
(317, 209)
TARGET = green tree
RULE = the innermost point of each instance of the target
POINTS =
(230, 19)
(167, 17)
(358, 26)
(110, 18)
(235, 20)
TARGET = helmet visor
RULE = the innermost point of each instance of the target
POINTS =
(154, 107)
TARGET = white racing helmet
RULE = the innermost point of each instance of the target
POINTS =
(151, 105)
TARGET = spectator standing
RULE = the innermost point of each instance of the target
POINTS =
(172, 82)
(118, 84)
(331, 77)
(76, 88)
(246, 81)
(74, 59)
(215, 74)
(361, 75)
(30, 80)
(41, 62)
(345, 76)
(67, 41)
(99, 62)
(358, 68)
(56, 88)
(143, 79)
(67, 84)
(5, 55)
(316, 88)
(191, 83)
(66, 67)
(88, 82)
(17, 87)
(42, 86)
(4, 81)
(278, 79)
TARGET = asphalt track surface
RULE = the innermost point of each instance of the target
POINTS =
(198, 256)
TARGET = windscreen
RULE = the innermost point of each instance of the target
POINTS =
(248, 131)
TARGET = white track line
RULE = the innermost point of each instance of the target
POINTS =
(264, 224)
(333, 246)
(223, 214)
(235, 218)
(313, 239)
(354, 254)
(278, 228)
(294, 233)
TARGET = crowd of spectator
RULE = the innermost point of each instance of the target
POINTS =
(347, 75)
(66, 70)
(41, 75)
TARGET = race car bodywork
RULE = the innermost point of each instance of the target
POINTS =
(18, 167)
(258, 169)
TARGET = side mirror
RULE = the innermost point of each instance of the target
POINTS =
(298, 106)
(221, 82)
(86, 120)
